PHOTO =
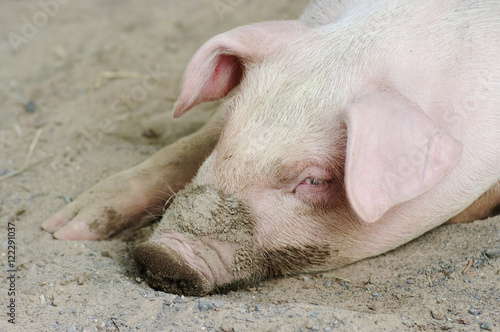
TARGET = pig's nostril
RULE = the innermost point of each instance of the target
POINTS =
(164, 269)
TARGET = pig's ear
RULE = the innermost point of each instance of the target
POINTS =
(395, 152)
(218, 65)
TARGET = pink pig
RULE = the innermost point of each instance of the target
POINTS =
(346, 133)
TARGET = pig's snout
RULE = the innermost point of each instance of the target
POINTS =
(164, 268)
(203, 244)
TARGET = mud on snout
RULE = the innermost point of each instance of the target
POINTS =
(204, 244)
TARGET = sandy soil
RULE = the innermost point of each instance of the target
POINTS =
(85, 131)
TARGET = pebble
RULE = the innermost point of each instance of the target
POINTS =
(66, 199)
(493, 253)
(71, 328)
(437, 314)
(219, 303)
(475, 312)
(486, 326)
(30, 106)
(204, 305)
(82, 278)
(90, 329)
(227, 327)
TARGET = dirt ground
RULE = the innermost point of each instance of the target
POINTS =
(66, 125)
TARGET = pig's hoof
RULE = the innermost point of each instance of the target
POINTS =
(165, 270)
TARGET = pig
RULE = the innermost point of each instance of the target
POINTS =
(341, 135)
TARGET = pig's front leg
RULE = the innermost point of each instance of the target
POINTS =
(130, 198)
(484, 207)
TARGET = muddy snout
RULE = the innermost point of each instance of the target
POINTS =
(204, 244)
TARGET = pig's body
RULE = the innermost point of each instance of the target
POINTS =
(352, 131)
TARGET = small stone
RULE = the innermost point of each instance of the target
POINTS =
(315, 328)
(90, 329)
(56, 300)
(327, 283)
(437, 313)
(66, 199)
(309, 324)
(486, 326)
(30, 106)
(218, 303)
(227, 327)
(104, 253)
(493, 253)
(82, 278)
(204, 305)
(463, 321)
(376, 295)
(71, 328)
(475, 312)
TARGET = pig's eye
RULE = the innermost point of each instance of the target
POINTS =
(314, 185)
(311, 184)
(316, 182)
(315, 191)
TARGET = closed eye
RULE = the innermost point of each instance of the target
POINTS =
(313, 182)
(316, 182)
(314, 185)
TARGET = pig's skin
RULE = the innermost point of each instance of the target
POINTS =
(395, 104)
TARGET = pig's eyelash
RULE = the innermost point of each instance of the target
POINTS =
(315, 182)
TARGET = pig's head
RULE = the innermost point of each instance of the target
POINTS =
(304, 167)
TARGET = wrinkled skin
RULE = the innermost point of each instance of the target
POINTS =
(347, 135)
